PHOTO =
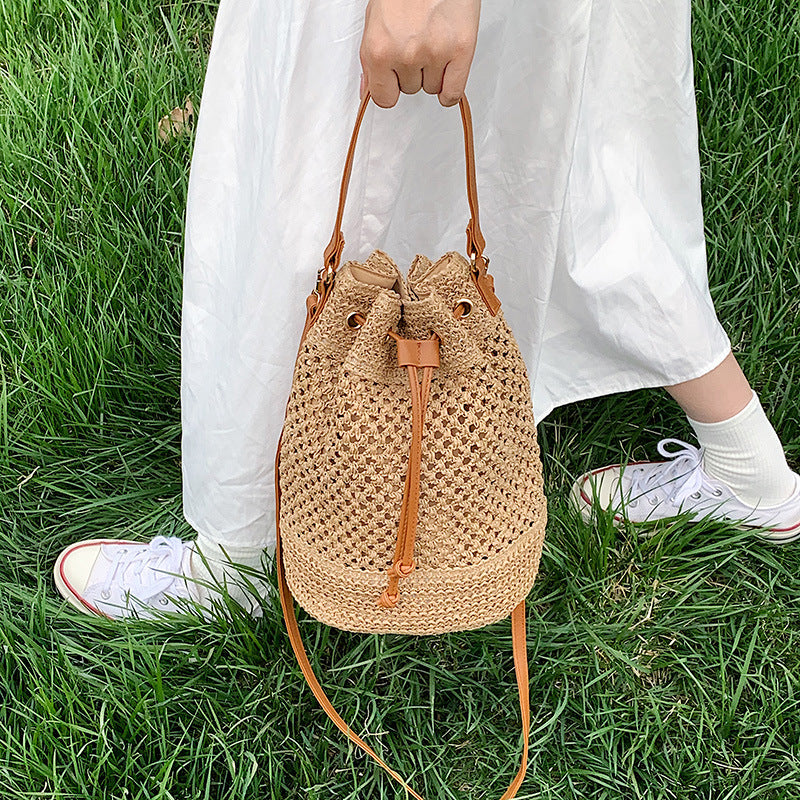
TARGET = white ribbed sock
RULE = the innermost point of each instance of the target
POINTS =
(219, 570)
(745, 453)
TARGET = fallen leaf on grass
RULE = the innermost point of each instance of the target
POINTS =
(178, 122)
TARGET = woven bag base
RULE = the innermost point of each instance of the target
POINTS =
(346, 598)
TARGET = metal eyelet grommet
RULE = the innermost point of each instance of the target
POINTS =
(105, 594)
(696, 495)
(717, 492)
(163, 601)
(352, 322)
(466, 303)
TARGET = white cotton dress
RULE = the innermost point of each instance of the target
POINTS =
(589, 188)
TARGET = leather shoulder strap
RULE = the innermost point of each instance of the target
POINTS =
(519, 645)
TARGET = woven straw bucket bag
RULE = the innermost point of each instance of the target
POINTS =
(408, 480)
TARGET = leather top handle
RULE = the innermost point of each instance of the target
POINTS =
(475, 240)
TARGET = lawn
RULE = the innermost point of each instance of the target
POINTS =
(664, 667)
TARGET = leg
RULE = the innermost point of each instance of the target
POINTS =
(740, 457)
(715, 396)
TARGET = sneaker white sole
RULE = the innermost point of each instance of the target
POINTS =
(66, 589)
(583, 503)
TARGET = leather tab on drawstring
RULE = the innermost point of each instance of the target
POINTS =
(419, 352)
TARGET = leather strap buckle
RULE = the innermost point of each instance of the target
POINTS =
(484, 283)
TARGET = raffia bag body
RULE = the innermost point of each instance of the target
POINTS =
(408, 477)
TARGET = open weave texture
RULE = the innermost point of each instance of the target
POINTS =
(344, 455)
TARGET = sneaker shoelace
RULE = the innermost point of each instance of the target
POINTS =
(683, 474)
(146, 572)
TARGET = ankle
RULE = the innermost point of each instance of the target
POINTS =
(745, 453)
(237, 570)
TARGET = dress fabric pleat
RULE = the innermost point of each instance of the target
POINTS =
(589, 187)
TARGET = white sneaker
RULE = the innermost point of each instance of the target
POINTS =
(118, 578)
(645, 491)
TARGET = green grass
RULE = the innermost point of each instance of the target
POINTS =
(660, 668)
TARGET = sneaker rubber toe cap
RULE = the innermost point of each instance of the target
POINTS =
(595, 489)
(73, 570)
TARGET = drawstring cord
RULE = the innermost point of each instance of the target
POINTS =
(411, 353)
(419, 357)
